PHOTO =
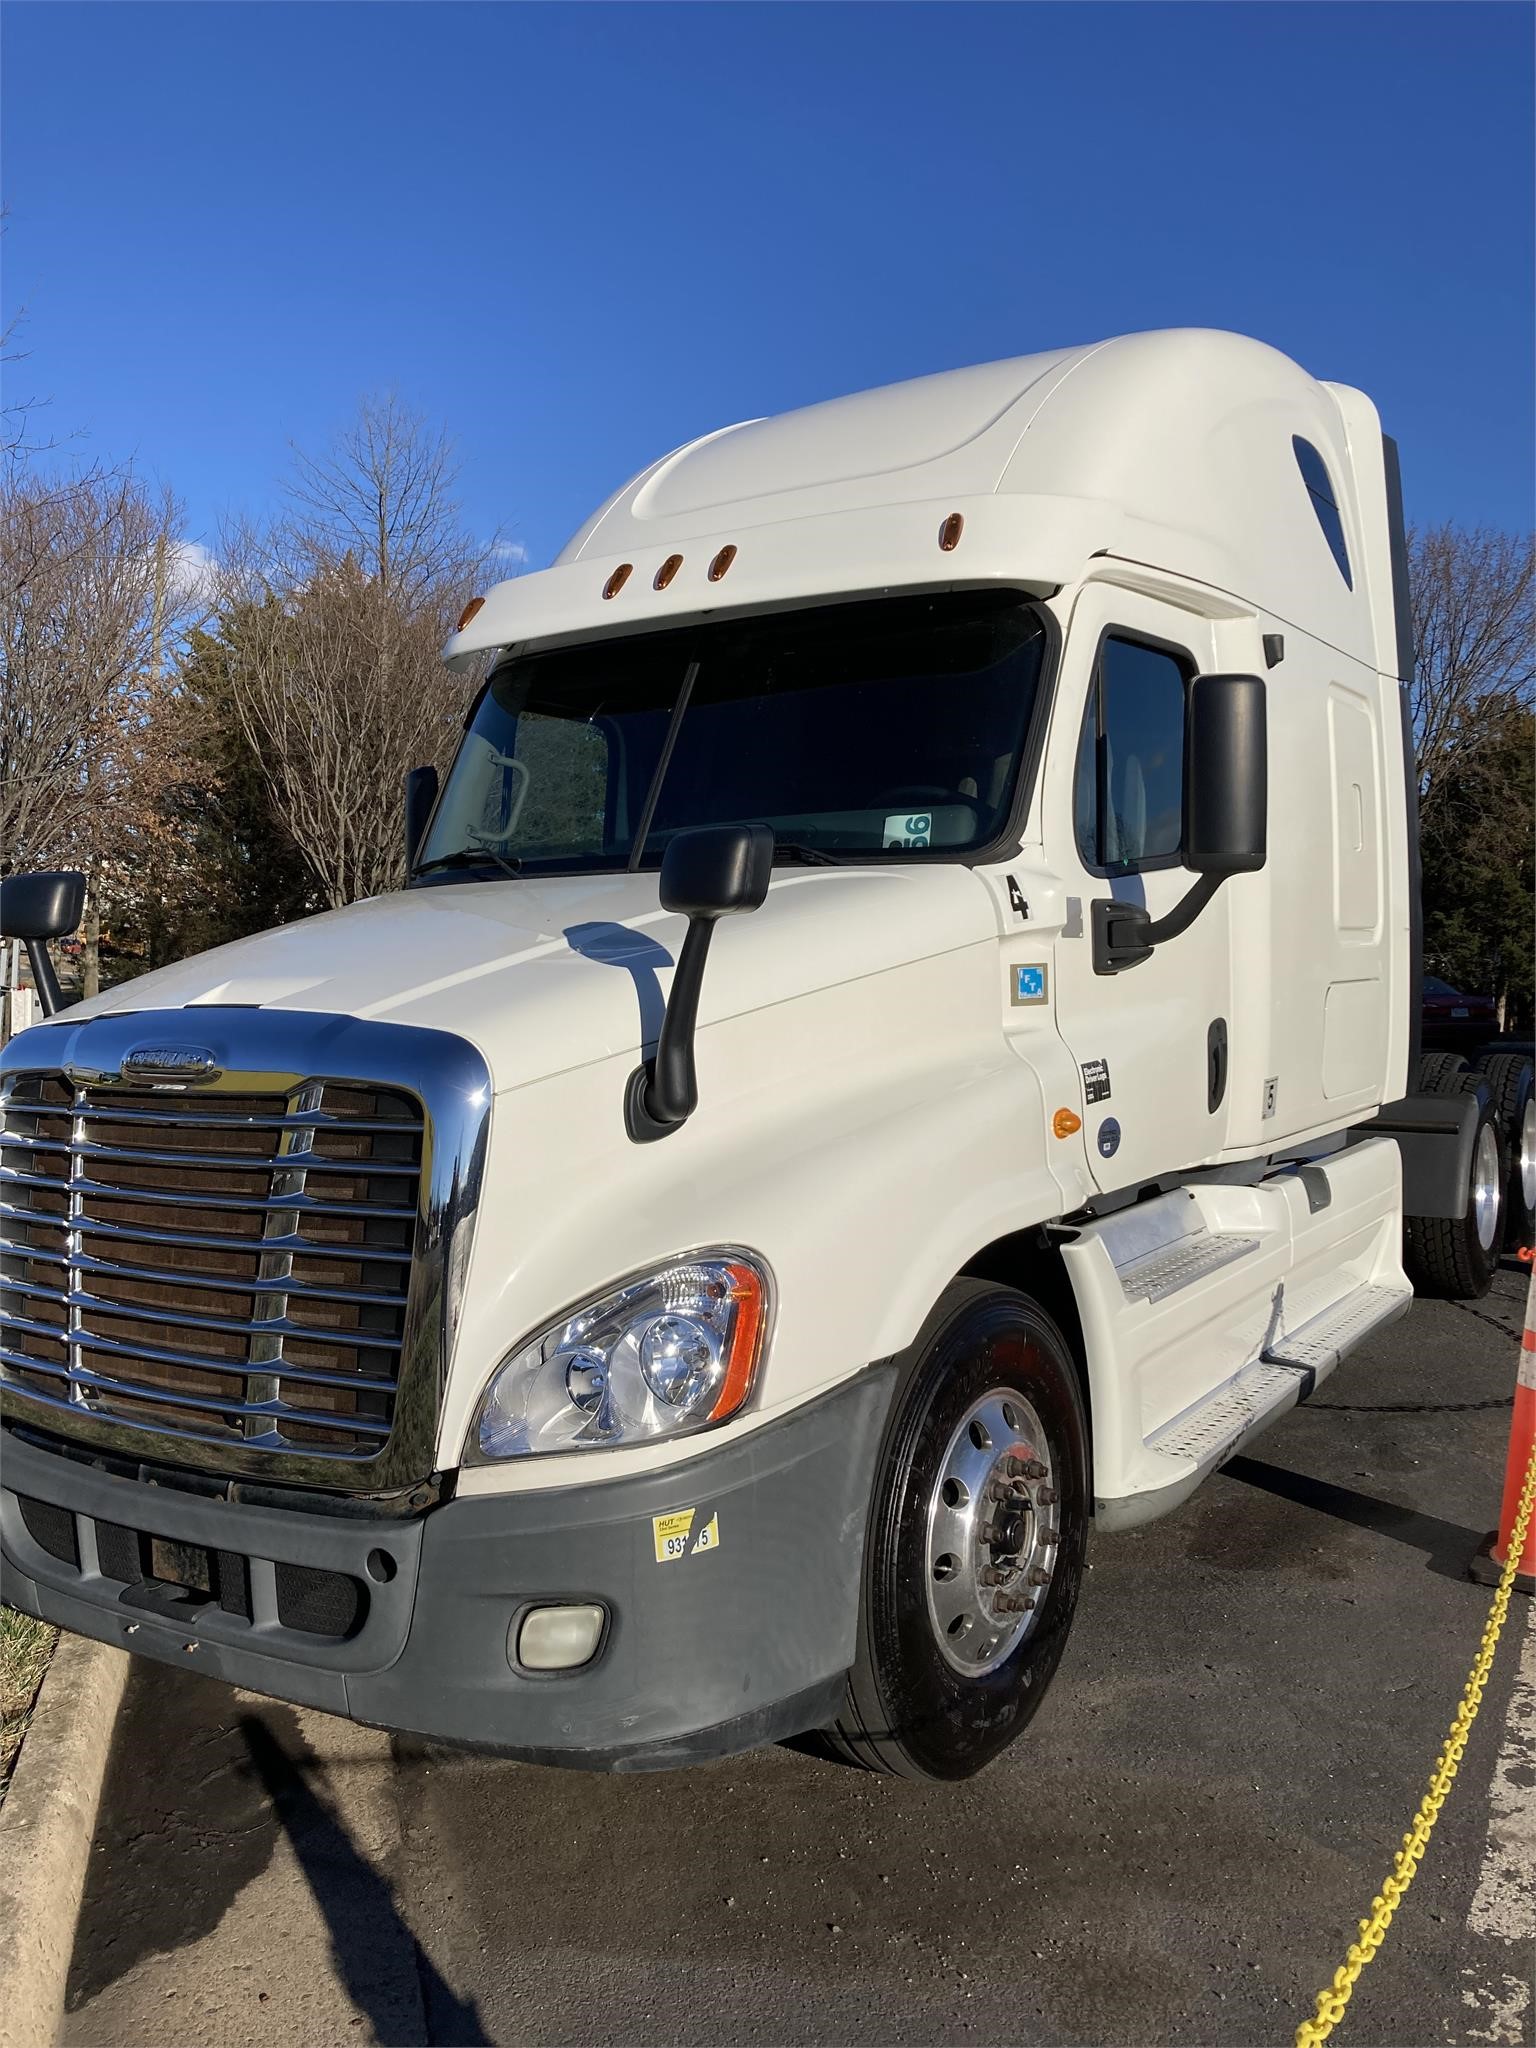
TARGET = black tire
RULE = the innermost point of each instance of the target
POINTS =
(908, 1711)
(1439, 1073)
(1512, 1085)
(1456, 1258)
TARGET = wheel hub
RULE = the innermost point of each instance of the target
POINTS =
(1487, 1194)
(992, 1538)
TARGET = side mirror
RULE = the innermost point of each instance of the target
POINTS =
(1226, 776)
(420, 796)
(1226, 816)
(706, 874)
(35, 909)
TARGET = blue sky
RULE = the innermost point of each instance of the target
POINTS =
(578, 235)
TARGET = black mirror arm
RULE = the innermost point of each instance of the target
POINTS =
(1124, 935)
(44, 980)
(1184, 912)
(664, 1092)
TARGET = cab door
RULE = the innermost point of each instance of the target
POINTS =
(1153, 1042)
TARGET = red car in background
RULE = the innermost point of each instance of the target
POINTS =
(1454, 1021)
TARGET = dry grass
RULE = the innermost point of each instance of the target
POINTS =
(25, 1647)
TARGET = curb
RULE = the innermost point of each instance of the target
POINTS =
(46, 1826)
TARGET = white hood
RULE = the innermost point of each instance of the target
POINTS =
(544, 976)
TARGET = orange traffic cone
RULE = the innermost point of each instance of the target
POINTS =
(1490, 1561)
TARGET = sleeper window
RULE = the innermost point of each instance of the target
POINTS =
(1325, 502)
(1130, 766)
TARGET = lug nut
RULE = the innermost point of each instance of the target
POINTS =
(1047, 1496)
(1039, 1576)
(992, 1576)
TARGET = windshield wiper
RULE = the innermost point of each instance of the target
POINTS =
(807, 856)
(471, 857)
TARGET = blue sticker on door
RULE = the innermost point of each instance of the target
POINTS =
(1030, 984)
(1109, 1138)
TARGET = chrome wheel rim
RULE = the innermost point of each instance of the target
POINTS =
(1485, 1187)
(1528, 1153)
(993, 1536)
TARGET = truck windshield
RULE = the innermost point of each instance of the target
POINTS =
(890, 728)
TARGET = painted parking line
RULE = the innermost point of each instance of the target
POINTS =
(1498, 2001)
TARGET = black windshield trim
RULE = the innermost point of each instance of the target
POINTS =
(1005, 845)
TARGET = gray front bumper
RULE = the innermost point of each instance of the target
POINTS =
(711, 1653)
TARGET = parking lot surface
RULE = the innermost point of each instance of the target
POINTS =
(1177, 1851)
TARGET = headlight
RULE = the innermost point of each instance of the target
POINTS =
(668, 1352)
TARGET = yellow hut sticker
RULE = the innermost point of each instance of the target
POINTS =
(675, 1536)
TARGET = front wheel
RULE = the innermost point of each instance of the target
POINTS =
(974, 1554)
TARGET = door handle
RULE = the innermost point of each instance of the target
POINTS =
(1216, 1065)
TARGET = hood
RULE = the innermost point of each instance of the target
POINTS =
(545, 975)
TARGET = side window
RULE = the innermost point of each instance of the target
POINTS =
(1129, 803)
(1325, 503)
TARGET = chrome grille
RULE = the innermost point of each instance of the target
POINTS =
(227, 1269)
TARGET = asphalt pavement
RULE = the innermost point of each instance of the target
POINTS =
(1178, 1850)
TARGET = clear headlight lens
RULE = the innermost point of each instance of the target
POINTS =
(671, 1351)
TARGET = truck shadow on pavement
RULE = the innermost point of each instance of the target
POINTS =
(166, 1870)
(359, 1906)
(1446, 1545)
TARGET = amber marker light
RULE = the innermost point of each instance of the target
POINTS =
(950, 532)
(748, 1327)
(721, 563)
(618, 579)
(667, 571)
(1065, 1122)
(470, 610)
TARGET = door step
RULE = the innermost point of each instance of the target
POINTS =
(1210, 1432)
(1285, 1372)
(1181, 1264)
(1159, 1247)
(1318, 1345)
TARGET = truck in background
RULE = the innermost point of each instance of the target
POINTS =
(899, 1044)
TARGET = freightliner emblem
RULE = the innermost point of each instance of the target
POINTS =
(170, 1063)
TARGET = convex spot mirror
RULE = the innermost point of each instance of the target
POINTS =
(711, 872)
(717, 870)
(35, 909)
(41, 906)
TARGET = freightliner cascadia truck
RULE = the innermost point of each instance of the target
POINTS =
(897, 1046)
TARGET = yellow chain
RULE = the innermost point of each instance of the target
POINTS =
(1332, 2000)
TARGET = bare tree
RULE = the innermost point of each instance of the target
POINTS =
(87, 601)
(382, 494)
(335, 618)
(1472, 592)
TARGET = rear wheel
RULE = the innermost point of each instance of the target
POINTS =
(1456, 1257)
(1438, 1072)
(974, 1554)
(1513, 1088)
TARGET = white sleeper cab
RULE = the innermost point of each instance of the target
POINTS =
(898, 1043)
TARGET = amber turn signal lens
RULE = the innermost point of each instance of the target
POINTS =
(618, 579)
(1065, 1122)
(468, 613)
(950, 532)
(747, 1332)
(721, 563)
(667, 571)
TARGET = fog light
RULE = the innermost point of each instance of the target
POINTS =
(559, 1638)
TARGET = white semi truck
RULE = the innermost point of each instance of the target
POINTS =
(898, 1045)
